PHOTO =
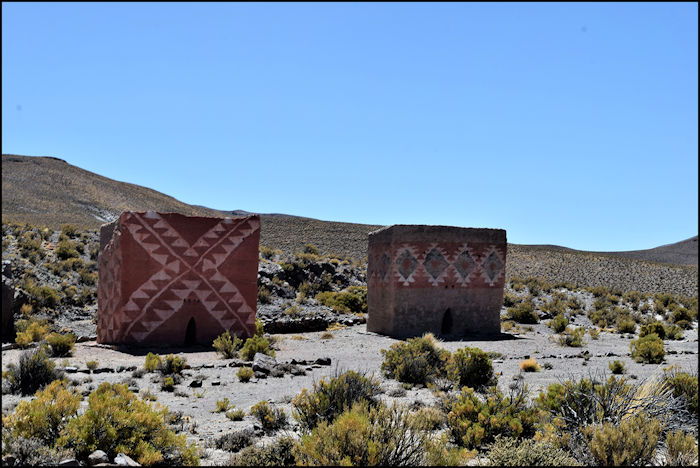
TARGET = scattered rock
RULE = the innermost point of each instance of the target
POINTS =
(98, 456)
(70, 369)
(124, 460)
(324, 361)
(196, 383)
(264, 363)
(215, 383)
(69, 462)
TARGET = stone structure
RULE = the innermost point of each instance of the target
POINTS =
(169, 279)
(439, 279)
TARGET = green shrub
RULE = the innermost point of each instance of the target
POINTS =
(509, 299)
(363, 436)
(65, 250)
(33, 371)
(572, 337)
(235, 414)
(117, 421)
(440, 452)
(685, 385)
(674, 332)
(649, 349)
(473, 422)
(656, 327)
(625, 325)
(270, 418)
(45, 416)
(92, 365)
(558, 323)
(329, 399)
(45, 296)
(617, 367)
(682, 317)
(524, 312)
(222, 406)
(168, 384)
(61, 345)
(259, 328)
(279, 453)
(235, 441)
(153, 362)
(245, 374)
(226, 346)
(416, 360)
(311, 249)
(507, 451)
(172, 364)
(29, 331)
(681, 449)
(633, 442)
(70, 230)
(471, 367)
(255, 344)
(352, 300)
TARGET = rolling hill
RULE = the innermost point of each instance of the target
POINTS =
(49, 191)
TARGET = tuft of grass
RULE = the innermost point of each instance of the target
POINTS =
(530, 365)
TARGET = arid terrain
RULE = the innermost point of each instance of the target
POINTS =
(573, 312)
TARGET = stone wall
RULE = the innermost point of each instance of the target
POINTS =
(439, 279)
(170, 279)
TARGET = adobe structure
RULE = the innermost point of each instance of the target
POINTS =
(170, 279)
(440, 279)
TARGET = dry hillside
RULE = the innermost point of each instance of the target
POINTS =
(49, 191)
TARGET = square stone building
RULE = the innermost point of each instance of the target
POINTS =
(440, 279)
(170, 279)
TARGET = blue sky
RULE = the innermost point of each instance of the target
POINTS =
(570, 124)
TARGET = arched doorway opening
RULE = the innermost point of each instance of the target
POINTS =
(191, 333)
(446, 328)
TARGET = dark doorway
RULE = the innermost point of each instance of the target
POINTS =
(191, 333)
(446, 328)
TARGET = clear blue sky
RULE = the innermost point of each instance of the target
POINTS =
(569, 124)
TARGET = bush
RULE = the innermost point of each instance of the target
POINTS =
(235, 441)
(506, 451)
(45, 416)
(222, 406)
(65, 250)
(245, 374)
(235, 414)
(352, 300)
(70, 230)
(473, 422)
(509, 299)
(558, 323)
(29, 332)
(572, 337)
(329, 399)
(685, 385)
(255, 344)
(153, 362)
(416, 360)
(673, 332)
(649, 349)
(681, 314)
(259, 327)
(530, 365)
(617, 367)
(311, 249)
(172, 364)
(471, 367)
(633, 442)
(279, 453)
(524, 312)
(168, 384)
(33, 371)
(656, 327)
(226, 346)
(61, 345)
(92, 365)
(117, 421)
(625, 325)
(681, 449)
(363, 436)
(270, 419)
(264, 295)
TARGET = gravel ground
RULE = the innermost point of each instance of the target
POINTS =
(350, 348)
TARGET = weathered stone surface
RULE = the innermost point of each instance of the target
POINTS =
(69, 462)
(124, 460)
(170, 279)
(440, 279)
(264, 363)
(98, 456)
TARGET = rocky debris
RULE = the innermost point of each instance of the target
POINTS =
(8, 294)
(312, 318)
(124, 460)
(69, 462)
(98, 456)
(196, 383)
(264, 363)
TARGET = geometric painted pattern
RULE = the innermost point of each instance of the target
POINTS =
(415, 264)
(180, 270)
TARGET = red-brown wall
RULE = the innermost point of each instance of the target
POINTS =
(157, 271)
